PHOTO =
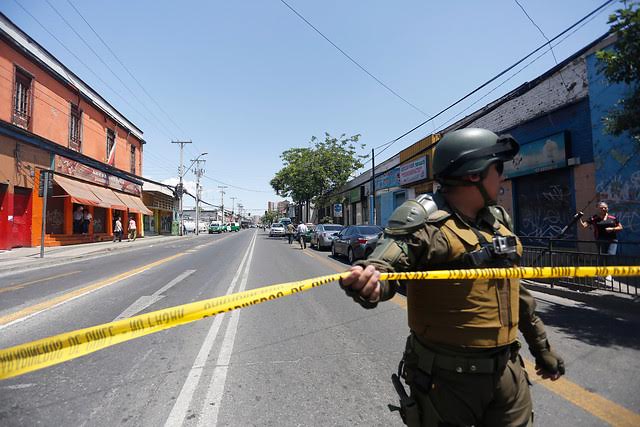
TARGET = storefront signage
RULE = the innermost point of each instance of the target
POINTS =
(388, 179)
(415, 170)
(337, 210)
(537, 156)
(354, 195)
(87, 173)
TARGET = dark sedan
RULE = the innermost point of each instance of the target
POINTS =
(356, 241)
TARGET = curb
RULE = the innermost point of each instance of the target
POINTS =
(30, 264)
(596, 298)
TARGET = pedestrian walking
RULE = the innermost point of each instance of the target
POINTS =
(132, 230)
(290, 231)
(302, 230)
(461, 360)
(605, 228)
(117, 230)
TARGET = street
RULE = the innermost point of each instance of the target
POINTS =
(315, 358)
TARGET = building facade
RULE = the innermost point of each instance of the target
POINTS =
(50, 120)
(567, 161)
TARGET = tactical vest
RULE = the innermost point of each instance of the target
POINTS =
(479, 313)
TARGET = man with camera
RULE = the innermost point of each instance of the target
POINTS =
(461, 360)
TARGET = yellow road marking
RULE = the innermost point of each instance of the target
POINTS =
(22, 285)
(606, 410)
(598, 406)
(37, 308)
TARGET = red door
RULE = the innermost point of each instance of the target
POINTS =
(4, 209)
(21, 233)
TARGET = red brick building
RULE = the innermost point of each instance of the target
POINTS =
(51, 120)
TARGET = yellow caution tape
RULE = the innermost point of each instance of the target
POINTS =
(60, 348)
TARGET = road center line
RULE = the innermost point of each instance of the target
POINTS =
(22, 285)
(213, 400)
(183, 401)
(600, 407)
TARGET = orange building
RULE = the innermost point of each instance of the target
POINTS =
(51, 120)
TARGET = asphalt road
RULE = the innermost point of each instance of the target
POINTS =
(314, 358)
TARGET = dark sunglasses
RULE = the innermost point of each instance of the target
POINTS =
(500, 167)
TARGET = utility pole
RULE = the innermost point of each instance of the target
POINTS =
(222, 187)
(373, 186)
(198, 172)
(180, 187)
(233, 208)
(240, 209)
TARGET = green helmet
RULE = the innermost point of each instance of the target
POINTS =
(471, 151)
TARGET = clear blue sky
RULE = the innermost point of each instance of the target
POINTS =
(246, 80)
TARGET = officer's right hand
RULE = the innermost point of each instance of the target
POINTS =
(365, 282)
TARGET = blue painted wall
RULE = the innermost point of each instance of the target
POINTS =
(575, 118)
(617, 182)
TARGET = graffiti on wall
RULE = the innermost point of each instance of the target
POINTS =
(545, 205)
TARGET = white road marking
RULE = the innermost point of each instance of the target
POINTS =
(147, 300)
(211, 405)
(183, 401)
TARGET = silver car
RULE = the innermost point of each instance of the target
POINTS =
(276, 230)
(356, 241)
(324, 235)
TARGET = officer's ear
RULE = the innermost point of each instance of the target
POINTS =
(473, 178)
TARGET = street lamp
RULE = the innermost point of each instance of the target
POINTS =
(198, 173)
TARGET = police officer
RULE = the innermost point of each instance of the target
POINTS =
(461, 360)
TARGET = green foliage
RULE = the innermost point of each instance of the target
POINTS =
(622, 65)
(326, 220)
(270, 217)
(310, 173)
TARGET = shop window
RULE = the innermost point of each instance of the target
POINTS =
(22, 99)
(99, 220)
(75, 128)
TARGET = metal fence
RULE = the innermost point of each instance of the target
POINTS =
(547, 252)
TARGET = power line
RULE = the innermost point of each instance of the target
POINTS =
(85, 65)
(353, 60)
(104, 63)
(235, 186)
(125, 67)
(491, 80)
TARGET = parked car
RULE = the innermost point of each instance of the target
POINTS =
(356, 241)
(285, 222)
(203, 227)
(189, 226)
(235, 226)
(323, 235)
(215, 227)
(276, 230)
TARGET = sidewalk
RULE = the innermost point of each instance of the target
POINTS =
(20, 259)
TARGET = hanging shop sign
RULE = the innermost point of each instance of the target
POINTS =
(388, 179)
(415, 170)
(537, 156)
(87, 173)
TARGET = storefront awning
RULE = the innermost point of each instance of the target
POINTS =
(108, 197)
(79, 192)
(134, 204)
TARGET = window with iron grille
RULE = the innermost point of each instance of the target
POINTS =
(75, 128)
(111, 146)
(22, 99)
(133, 159)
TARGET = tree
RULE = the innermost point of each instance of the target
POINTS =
(269, 217)
(310, 173)
(622, 65)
